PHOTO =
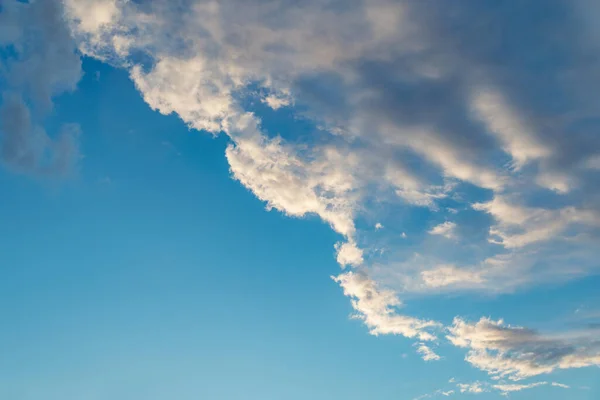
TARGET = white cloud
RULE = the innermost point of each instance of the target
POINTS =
(427, 353)
(411, 189)
(446, 229)
(348, 253)
(556, 181)
(517, 353)
(561, 385)
(423, 396)
(449, 275)
(474, 387)
(378, 226)
(438, 392)
(513, 387)
(190, 88)
(92, 15)
(503, 122)
(377, 307)
(435, 148)
(276, 102)
(278, 175)
(519, 226)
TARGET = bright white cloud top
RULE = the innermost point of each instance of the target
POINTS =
(412, 108)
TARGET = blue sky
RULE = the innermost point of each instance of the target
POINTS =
(270, 200)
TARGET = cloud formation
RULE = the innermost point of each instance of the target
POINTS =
(515, 387)
(377, 308)
(517, 353)
(445, 229)
(39, 62)
(474, 387)
(442, 108)
(427, 353)
(388, 89)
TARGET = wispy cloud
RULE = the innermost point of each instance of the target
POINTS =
(561, 385)
(446, 229)
(427, 353)
(517, 353)
(474, 387)
(514, 387)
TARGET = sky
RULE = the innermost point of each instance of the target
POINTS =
(326, 199)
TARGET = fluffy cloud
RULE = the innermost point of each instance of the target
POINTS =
(376, 307)
(278, 175)
(187, 87)
(517, 353)
(38, 63)
(349, 254)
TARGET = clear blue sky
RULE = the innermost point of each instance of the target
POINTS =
(380, 201)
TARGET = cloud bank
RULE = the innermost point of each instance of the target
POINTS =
(483, 122)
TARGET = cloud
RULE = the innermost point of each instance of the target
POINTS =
(560, 385)
(27, 148)
(474, 387)
(40, 63)
(438, 392)
(449, 275)
(377, 307)
(349, 254)
(276, 102)
(519, 226)
(427, 353)
(412, 104)
(189, 88)
(517, 353)
(411, 189)
(92, 15)
(386, 76)
(504, 388)
(513, 387)
(446, 229)
(504, 123)
(277, 174)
